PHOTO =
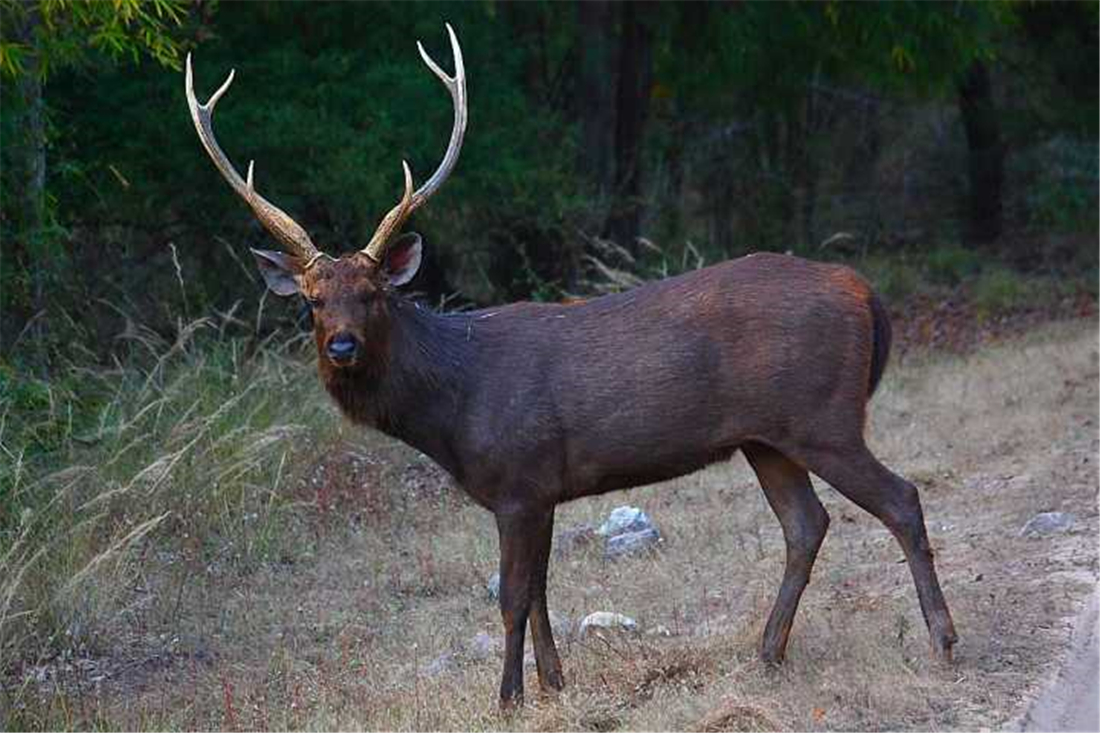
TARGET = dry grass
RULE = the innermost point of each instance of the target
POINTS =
(372, 567)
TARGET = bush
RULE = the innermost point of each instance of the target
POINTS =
(999, 290)
(952, 264)
(894, 278)
(1063, 196)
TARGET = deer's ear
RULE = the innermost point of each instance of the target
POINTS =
(402, 259)
(281, 271)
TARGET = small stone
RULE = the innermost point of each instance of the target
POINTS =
(606, 620)
(632, 543)
(625, 519)
(493, 587)
(1047, 523)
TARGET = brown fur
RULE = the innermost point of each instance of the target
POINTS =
(530, 405)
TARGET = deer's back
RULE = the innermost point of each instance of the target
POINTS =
(660, 380)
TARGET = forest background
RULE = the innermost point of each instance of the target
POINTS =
(158, 417)
(926, 142)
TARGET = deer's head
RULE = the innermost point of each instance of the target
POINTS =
(348, 293)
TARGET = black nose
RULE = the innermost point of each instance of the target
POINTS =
(342, 347)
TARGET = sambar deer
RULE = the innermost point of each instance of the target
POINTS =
(531, 405)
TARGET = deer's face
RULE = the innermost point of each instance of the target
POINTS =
(347, 297)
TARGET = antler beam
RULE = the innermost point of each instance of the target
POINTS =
(397, 216)
(292, 236)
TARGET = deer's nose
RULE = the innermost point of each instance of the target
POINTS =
(342, 348)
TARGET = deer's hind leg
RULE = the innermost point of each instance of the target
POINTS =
(857, 474)
(791, 496)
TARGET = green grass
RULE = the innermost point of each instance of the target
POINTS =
(953, 272)
(186, 453)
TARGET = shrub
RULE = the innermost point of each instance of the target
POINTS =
(952, 264)
(893, 278)
(1000, 289)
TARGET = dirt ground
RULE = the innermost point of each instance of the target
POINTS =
(372, 624)
(1072, 702)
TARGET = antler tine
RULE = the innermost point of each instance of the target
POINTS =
(392, 221)
(456, 85)
(274, 219)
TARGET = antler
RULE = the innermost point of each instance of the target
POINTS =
(456, 85)
(274, 219)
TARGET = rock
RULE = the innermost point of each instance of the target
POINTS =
(632, 543)
(574, 538)
(1047, 523)
(625, 519)
(606, 620)
(493, 587)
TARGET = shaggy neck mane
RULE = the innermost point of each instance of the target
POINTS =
(414, 392)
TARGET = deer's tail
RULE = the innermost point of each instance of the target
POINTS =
(881, 335)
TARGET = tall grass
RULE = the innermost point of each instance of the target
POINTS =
(179, 457)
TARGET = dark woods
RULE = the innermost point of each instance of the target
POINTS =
(608, 142)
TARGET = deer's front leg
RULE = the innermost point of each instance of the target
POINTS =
(524, 551)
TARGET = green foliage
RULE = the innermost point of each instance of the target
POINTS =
(748, 126)
(1000, 289)
(894, 277)
(952, 264)
(1063, 197)
(46, 36)
(40, 413)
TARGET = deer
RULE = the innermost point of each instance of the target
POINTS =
(531, 405)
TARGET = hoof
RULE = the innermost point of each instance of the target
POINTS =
(943, 649)
(772, 657)
(553, 683)
(510, 706)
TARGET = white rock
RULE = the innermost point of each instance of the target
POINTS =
(606, 620)
(625, 519)
(1047, 523)
(632, 543)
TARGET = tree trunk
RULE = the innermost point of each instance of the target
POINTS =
(985, 157)
(597, 84)
(807, 166)
(31, 227)
(631, 110)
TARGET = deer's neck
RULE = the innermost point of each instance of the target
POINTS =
(415, 395)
